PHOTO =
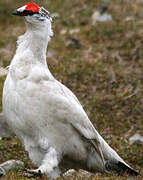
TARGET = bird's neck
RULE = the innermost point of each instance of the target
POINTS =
(35, 44)
(31, 52)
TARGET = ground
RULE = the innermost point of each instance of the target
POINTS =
(102, 65)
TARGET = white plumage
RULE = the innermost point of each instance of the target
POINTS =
(45, 114)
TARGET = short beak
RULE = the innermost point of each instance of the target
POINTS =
(17, 13)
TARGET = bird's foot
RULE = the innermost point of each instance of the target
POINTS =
(32, 173)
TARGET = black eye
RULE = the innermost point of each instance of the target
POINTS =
(30, 13)
(27, 13)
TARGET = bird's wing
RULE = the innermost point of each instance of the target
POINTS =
(76, 116)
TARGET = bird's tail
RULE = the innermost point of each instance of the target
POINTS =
(113, 162)
(120, 168)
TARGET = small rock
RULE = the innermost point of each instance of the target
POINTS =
(84, 174)
(136, 138)
(130, 18)
(100, 15)
(105, 17)
(73, 31)
(96, 17)
(80, 173)
(70, 173)
(55, 15)
(9, 165)
(63, 31)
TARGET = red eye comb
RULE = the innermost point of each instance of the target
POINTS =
(32, 7)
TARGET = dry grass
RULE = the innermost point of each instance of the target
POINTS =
(105, 71)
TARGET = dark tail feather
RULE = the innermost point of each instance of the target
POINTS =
(120, 168)
(126, 169)
(2, 172)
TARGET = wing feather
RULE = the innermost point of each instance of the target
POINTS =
(76, 116)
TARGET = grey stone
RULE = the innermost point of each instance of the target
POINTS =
(96, 17)
(136, 138)
(100, 15)
(71, 173)
(9, 165)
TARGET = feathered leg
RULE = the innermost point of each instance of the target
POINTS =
(49, 165)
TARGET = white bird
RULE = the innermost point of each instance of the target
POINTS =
(45, 114)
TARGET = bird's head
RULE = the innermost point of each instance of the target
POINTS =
(35, 16)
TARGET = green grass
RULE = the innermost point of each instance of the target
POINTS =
(106, 72)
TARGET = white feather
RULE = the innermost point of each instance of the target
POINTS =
(21, 9)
